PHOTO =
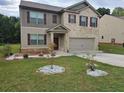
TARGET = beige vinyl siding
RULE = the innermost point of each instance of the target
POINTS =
(111, 28)
(78, 31)
(49, 19)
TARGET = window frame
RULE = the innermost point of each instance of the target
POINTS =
(85, 22)
(72, 20)
(37, 20)
(93, 24)
(37, 40)
(33, 40)
(54, 19)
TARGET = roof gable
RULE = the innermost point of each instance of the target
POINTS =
(77, 6)
(80, 6)
(60, 28)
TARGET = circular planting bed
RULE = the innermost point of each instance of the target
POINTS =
(51, 69)
(96, 73)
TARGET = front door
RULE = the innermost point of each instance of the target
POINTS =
(56, 41)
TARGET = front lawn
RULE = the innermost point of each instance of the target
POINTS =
(20, 75)
(110, 48)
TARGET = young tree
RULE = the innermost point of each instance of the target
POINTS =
(51, 47)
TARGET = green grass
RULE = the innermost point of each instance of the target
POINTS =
(110, 48)
(20, 75)
(15, 49)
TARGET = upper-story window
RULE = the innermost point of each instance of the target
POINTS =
(72, 18)
(36, 17)
(93, 22)
(54, 19)
(83, 21)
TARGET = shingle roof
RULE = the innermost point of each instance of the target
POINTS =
(81, 5)
(72, 8)
(120, 17)
(40, 6)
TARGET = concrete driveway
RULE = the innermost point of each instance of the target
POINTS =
(112, 59)
(107, 58)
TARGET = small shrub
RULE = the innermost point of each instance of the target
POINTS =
(41, 54)
(53, 54)
(6, 50)
(51, 47)
(25, 56)
(11, 54)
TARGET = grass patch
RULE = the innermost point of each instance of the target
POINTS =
(20, 75)
(110, 48)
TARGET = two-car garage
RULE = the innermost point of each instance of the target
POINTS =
(81, 44)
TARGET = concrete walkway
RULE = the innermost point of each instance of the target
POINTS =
(112, 59)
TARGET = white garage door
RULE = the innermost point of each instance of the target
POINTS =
(81, 44)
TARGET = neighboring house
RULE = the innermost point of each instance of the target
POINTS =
(74, 28)
(111, 29)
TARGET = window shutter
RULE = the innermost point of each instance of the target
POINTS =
(91, 21)
(69, 18)
(74, 18)
(53, 18)
(44, 18)
(28, 17)
(86, 21)
(45, 39)
(80, 21)
(96, 22)
(28, 39)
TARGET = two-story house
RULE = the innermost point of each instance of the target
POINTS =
(74, 28)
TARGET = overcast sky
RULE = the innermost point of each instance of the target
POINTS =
(10, 7)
